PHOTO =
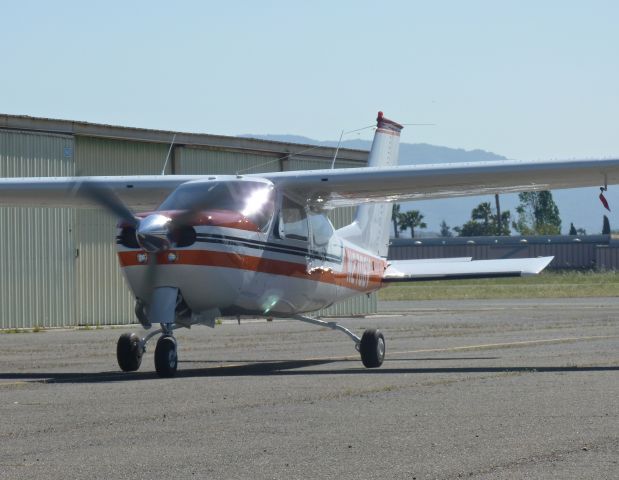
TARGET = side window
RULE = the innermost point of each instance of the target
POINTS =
(293, 221)
(322, 230)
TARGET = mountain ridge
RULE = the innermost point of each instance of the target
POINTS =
(410, 153)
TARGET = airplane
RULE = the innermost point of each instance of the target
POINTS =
(261, 244)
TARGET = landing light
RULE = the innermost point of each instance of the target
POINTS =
(142, 257)
(172, 257)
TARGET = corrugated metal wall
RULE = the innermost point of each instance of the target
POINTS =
(306, 163)
(607, 257)
(196, 161)
(102, 297)
(567, 255)
(37, 254)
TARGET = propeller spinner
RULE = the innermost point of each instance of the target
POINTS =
(153, 233)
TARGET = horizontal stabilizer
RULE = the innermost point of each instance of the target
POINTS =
(462, 268)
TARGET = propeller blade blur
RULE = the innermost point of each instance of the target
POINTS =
(107, 199)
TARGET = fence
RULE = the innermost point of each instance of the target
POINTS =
(599, 252)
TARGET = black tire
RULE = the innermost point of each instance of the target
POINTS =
(128, 352)
(372, 348)
(166, 358)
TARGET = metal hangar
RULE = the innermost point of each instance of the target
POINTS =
(58, 265)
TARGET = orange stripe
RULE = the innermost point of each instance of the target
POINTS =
(257, 264)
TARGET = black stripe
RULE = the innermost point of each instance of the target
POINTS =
(272, 247)
(258, 245)
(256, 242)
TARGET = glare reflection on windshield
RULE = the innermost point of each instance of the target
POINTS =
(256, 201)
(253, 200)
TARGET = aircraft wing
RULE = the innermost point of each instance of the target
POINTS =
(462, 268)
(351, 186)
(136, 191)
(339, 187)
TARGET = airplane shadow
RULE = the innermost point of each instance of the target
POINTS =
(292, 368)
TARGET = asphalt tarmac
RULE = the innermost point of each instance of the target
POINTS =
(477, 389)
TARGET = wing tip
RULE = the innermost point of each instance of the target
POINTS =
(538, 265)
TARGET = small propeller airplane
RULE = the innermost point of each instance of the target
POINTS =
(261, 244)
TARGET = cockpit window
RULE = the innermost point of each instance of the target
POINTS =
(293, 222)
(253, 200)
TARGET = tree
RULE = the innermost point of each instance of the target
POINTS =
(573, 230)
(499, 216)
(484, 222)
(537, 214)
(445, 230)
(502, 227)
(411, 219)
(606, 226)
(483, 212)
(395, 215)
(472, 228)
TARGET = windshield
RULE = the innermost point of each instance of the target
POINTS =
(253, 200)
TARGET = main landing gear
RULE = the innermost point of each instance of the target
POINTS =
(130, 349)
(371, 345)
(372, 348)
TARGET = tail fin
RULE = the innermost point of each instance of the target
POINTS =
(370, 229)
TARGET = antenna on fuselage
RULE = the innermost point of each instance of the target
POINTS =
(165, 164)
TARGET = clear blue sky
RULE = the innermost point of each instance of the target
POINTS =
(526, 79)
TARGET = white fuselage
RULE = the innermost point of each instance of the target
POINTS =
(240, 271)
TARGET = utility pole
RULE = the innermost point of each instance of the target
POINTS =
(498, 213)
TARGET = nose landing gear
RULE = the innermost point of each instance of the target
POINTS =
(166, 359)
(130, 350)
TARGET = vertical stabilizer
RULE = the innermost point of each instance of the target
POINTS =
(370, 228)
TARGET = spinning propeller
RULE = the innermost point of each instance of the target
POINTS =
(155, 233)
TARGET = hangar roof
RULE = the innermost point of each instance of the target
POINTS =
(248, 145)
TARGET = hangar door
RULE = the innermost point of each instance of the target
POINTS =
(101, 294)
(37, 254)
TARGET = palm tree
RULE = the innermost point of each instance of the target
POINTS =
(411, 219)
(482, 212)
(395, 216)
(606, 226)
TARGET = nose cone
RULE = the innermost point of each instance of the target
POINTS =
(152, 233)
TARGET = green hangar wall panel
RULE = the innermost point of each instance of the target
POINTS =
(196, 161)
(38, 254)
(102, 156)
(102, 296)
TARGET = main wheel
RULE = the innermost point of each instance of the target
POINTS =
(372, 348)
(166, 359)
(129, 352)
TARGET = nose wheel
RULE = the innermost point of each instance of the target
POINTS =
(166, 359)
(130, 349)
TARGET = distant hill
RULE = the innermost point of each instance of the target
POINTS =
(410, 153)
(580, 206)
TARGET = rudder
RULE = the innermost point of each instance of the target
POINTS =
(371, 226)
